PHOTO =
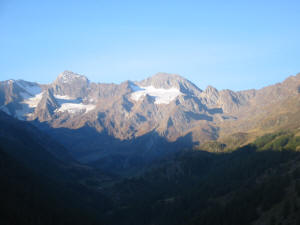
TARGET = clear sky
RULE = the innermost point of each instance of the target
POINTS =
(227, 44)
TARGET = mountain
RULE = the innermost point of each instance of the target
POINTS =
(19, 133)
(137, 122)
(255, 184)
(41, 183)
(186, 156)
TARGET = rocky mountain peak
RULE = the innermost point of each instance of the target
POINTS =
(166, 76)
(70, 84)
(163, 80)
(70, 77)
(211, 90)
(169, 81)
(210, 96)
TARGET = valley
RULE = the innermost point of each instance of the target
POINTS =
(158, 151)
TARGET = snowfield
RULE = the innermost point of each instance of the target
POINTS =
(70, 105)
(30, 89)
(161, 96)
(75, 108)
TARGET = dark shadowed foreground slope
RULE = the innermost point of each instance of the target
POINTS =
(41, 184)
(256, 184)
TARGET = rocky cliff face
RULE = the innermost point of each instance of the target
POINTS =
(266, 110)
(165, 105)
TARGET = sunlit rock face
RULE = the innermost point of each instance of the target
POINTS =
(164, 105)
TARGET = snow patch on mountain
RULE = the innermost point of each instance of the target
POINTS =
(29, 88)
(71, 105)
(33, 101)
(31, 94)
(135, 88)
(24, 111)
(28, 105)
(161, 95)
(75, 108)
(62, 98)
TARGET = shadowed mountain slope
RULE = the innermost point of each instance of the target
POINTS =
(94, 120)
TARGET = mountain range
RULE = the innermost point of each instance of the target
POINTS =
(159, 151)
(137, 122)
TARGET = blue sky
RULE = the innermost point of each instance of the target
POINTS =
(227, 44)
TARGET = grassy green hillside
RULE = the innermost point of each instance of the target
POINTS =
(269, 118)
